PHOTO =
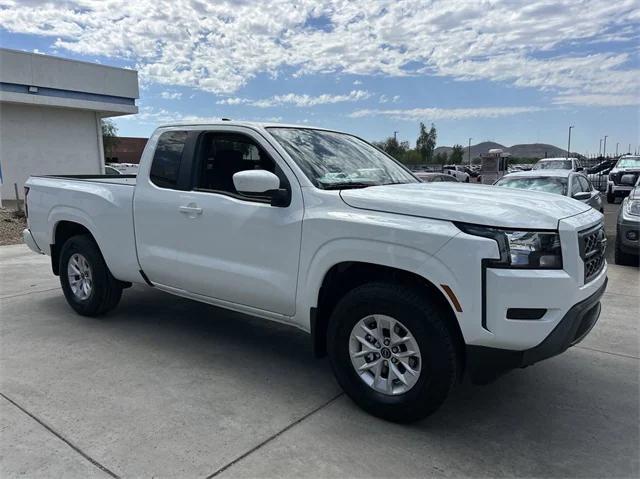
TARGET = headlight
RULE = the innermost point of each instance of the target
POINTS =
(521, 249)
(632, 207)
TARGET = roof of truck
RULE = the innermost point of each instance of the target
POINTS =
(250, 124)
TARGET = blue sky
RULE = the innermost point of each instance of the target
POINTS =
(506, 71)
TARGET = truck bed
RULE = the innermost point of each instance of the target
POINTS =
(103, 204)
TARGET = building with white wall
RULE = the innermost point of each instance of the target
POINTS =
(50, 112)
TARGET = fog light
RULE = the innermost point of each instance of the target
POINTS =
(632, 235)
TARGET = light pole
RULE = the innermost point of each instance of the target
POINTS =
(604, 148)
(569, 142)
(600, 148)
(617, 148)
(470, 152)
(395, 135)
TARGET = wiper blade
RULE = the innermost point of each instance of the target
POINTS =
(347, 185)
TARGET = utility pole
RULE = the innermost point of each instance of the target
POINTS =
(569, 143)
(600, 148)
(395, 136)
(617, 149)
(470, 152)
(629, 149)
(604, 148)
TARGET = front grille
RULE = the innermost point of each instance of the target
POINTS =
(593, 246)
(617, 177)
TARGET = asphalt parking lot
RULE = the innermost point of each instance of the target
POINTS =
(166, 387)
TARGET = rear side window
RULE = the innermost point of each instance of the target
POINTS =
(166, 160)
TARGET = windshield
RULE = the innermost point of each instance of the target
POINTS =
(553, 165)
(629, 162)
(550, 185)
(335, 160)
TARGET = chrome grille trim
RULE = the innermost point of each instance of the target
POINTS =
(593, 246)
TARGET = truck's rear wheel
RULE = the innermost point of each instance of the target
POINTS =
(391, 351)
(87, 283)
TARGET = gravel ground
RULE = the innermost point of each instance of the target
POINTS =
(11, 226)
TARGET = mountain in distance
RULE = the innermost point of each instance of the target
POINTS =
(526, 150)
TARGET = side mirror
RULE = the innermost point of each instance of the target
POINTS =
(579, 168)
(582, 195)
(628, 180)
(255, 181)
(262, 181)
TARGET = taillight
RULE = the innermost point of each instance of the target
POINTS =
(26, 207)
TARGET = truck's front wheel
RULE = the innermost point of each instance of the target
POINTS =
(87, 283)
(391, 351)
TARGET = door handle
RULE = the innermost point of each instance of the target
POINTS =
(190, 210)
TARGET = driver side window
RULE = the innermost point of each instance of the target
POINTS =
(221, 155)
(575, 185)
(584, 184)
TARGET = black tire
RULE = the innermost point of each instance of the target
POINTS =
(106, 290)
(426, 322)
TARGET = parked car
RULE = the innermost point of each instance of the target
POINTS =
(407, 286)
(572, 164)
(563, 182)
(600, 179)
(427, 177)
(125, 168)
(628, 228)
(458, 171)
(627, 167)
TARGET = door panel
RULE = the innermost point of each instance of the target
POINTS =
(158, 195)
(240, 251)
(222, 246)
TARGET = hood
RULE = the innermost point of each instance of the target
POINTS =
(478, 204)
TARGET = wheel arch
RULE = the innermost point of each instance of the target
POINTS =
(62, 231)
(347, 275)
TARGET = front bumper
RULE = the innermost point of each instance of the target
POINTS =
(619, 190)
(484, 364)
(625, 230)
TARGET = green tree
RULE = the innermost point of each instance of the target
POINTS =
(457, 154)
(109, 137)
(426, 142)
(393, 147)
(441, 158)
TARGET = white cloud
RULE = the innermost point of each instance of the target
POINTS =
(297, 100)
(171, 95)
(233, 101)
(560, 47)
(598, 100)
(386, 99)
(434, 114)
(357, 82)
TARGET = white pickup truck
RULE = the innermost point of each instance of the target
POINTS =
(407, 286)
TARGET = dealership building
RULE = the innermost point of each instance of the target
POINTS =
(50, 115)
